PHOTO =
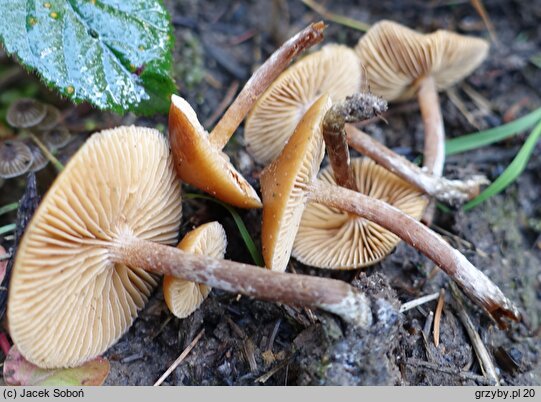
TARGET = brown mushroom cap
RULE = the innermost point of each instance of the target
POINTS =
(69, 300)
(51, 119)
(202, 165)
(15, 158)
(184, 297)
(25, 113)
(396, 58)
(329, 238)
(335, 69)
(57, 137)
(284, 196)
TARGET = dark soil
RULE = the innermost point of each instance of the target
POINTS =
(248, 342)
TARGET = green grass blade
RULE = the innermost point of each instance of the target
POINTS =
(512, 171)
(477, 140)
(7, 228)
(250, 245)
(8, 208)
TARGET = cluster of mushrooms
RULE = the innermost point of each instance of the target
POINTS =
(38, 125)
(91, 255)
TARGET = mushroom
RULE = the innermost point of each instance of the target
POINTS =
(401, 63)
(57, 138)
(25, 112)
(85, 264)
(51, 119)
(39, 161)
(334, 239)
(15, 158)
(288, 183)
(184, 297)
(335, 69)
(199, 160)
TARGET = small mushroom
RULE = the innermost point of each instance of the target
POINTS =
(335, 69)
(289, 182)
(199, 160)
(401, 64)
(15, 158)
(39, 161)
(51, 119)
(25, 112)
(184, 297)
(85, 265)
(57, 138)
(200, 164)
(334, 239)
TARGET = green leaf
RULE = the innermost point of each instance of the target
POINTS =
(512, 171)
(8, 208)
(19, 371)
(248, 241)
(477, 140)
(7, 228)
(114, 54)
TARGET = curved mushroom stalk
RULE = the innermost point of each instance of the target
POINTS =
(473, 282)
(328, 294)
(260, 81)
(454, 192)
(199, 159)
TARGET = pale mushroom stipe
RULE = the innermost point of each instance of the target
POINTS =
(401, 64)
(199, 159)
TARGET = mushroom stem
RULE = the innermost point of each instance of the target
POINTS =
(328, 294)
(454, 192)
(261, 80)
(434, 148)
(472, 281)
(357, 107)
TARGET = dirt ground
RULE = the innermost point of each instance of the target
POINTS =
(248, 342)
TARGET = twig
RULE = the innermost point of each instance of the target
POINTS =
(437, 318)
(339, 19)
(455, 100)
(480, 8)
(180, 358)
(228, 98)
(487, 366)
(418, 302)
(481, 102)
(265, 377)
(273, 334)
(465, 375)
(426, 333)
